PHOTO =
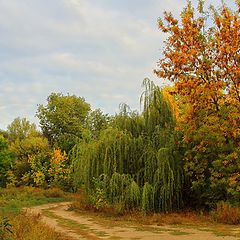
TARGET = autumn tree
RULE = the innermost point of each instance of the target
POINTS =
(62, 119)
(32, 158)
(202, 58)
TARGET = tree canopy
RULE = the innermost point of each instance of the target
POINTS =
(134, 162)
(62, 119)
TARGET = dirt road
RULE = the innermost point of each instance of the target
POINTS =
(76, 226)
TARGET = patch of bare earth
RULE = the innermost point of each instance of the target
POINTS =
(75, 226)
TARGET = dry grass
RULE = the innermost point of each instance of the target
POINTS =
(225, 213)
(54, 193)
(30, 227)
(179, 218)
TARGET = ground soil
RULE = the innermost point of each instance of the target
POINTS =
(77, 226)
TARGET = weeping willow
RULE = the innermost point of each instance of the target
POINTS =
(135, 158)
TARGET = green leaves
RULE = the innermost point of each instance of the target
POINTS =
(63, 118)
(6, 160)
(136, 155)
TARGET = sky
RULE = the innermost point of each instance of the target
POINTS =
(97, 49)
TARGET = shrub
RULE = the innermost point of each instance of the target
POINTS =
(98, 195)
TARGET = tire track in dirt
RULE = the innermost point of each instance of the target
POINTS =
(75, 226)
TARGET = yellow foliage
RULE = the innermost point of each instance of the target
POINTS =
(39, 178)
(58, 157)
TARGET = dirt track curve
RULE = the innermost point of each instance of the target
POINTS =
(75, 226)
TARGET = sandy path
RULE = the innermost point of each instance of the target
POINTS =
(76, 226)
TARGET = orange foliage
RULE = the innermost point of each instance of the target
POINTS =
(204, 64)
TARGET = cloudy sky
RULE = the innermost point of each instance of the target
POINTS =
(97, 49)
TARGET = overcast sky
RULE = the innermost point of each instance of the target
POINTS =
(97, 49)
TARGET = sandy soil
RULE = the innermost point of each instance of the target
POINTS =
(75, 226)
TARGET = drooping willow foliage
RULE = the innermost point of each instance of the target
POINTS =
(135, 158)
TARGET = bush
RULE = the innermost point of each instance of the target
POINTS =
(225, 213)
(98, 195)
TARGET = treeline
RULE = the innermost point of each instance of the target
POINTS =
(181, 150)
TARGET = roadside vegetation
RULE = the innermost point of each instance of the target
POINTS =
(180, 152)
(16, 223)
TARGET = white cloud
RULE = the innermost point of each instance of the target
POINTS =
(101, 50)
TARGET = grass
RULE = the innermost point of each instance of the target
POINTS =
(25, 226)
(12, 200)
(225, 213)
(78, 228)
(179, 233)
(30, 227)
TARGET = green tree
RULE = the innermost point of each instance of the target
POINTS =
(32, 160)
(6, 160)
(96, 121)
(31, 152)
(62, 119)
(135, 152)
(21, 129)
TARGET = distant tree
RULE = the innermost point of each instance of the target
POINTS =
(21, 129)
(62, 119)
(96, 121)
(31, 153)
